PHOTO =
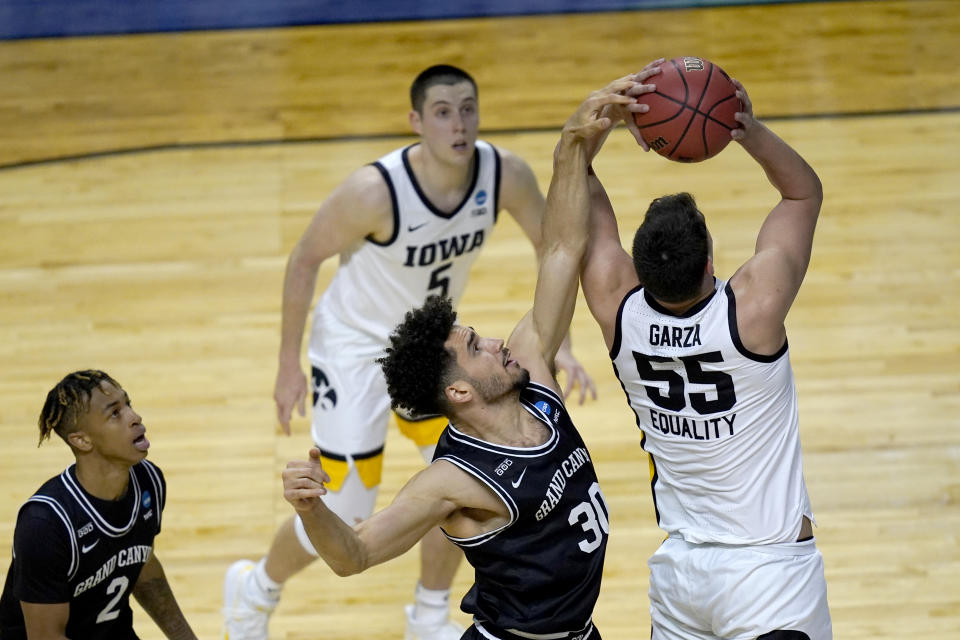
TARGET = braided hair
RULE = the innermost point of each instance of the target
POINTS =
(67, 401)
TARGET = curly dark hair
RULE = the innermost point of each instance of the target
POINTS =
(68, 400)
(417, 365)
(671, 247)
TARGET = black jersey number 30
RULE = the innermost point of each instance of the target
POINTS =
(675, 400)
(592, 517)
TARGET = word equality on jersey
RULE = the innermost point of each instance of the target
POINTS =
(692, 428)
(137, 554)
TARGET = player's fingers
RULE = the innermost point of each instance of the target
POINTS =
(592, 388)
(296, 495)
(653, 63)
(635, 130)
(283, 415)
(646, 73)
(302, 403)
(620, 85)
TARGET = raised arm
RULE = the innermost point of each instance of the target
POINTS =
(767, 284)
(521, 197)
(153, 593)
(608, 273)
(358, 208)
(538, 336)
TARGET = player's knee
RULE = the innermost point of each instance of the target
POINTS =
(784, 634)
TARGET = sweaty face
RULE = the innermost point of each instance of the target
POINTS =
(449, 121)
(486, 364)
(114, 428)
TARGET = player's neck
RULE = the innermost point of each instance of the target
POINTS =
(679, 308)
(440, 180)
(102, 478)
(505, 423)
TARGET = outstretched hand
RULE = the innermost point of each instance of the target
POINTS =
(640, 88)
(591, 119)
(576, 375)
(744, 117)
(303, 481)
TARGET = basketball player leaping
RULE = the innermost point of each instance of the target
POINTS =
(705, 367)
(536, 544)
(405, 227)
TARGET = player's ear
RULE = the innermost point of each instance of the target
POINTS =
(416, 122)
(80, 441)
(709, 266)
(458, 393)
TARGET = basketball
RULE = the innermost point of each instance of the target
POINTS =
(691, 112)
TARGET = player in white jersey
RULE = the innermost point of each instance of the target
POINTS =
(705, 367)
(405, 227)
(536, 534)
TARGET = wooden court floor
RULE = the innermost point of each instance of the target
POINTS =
(163, 266)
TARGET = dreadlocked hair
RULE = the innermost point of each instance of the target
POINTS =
(417, 365)
(68, 400)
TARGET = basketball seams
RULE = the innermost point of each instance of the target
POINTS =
(694, 115)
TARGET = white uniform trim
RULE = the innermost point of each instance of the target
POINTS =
(720, 423)
(61, 513)
(108, 529)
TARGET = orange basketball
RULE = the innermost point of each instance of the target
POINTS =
(691, 112)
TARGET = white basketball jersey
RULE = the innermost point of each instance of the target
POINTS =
(719, 422)
(430, 252)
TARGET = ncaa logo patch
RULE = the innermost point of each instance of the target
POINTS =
(544, 406)
(145, 501)
(481, 197)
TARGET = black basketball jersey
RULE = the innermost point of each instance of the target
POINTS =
(539, 573)
(70, 546)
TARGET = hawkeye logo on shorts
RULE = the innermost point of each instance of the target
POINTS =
(324, 396)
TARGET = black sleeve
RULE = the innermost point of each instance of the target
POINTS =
(41, 547)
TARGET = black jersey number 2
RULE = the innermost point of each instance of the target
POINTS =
(675, 399)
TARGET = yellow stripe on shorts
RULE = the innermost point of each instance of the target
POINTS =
(337, 468)
(424, 432)
(369, 467)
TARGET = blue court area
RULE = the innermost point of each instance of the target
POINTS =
(56, 18)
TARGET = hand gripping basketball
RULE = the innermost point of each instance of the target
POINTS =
(692, 112)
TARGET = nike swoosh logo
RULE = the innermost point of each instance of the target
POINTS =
(417, 226)
(86, 548)
(516, 483)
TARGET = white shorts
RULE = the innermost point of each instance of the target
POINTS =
(713, 591)
(351, 411)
